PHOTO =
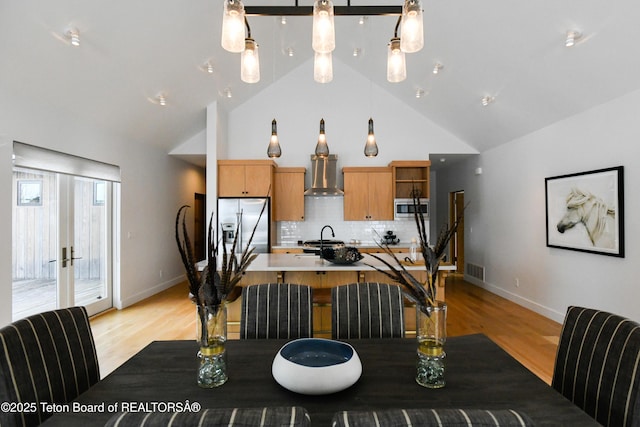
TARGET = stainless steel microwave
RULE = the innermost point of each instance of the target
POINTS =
(404, 208)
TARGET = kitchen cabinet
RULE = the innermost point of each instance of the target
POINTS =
(409, 175)
(288, 194)
(245, 178)
(368, 194)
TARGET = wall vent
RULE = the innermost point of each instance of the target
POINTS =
(476, 271)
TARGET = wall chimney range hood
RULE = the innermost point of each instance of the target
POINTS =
(323, 176)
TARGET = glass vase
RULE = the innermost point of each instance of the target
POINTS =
(211, 334)
(431, 332)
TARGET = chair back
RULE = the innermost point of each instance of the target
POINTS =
(48, 357)
(432, 417)
(293, 416)
(597, 365)
(276, 310)
(367, 310)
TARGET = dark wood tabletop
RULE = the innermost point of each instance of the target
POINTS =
(479, 375)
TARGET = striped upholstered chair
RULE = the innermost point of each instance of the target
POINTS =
(367, 310)
(293, 416)
(276, 310)
(48, 357)
(598, 365)
(432, 417)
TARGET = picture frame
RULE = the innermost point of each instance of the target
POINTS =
(29, 192)
(585, 211)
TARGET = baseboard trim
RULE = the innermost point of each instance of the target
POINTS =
(525, 302)
(149, 292)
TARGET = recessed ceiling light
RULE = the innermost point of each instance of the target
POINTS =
(208, 67)
(572, 37)
(437, 68)
(73, 35)
(486, 100)
(161, 99)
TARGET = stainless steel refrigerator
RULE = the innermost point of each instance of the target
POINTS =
(229, 213)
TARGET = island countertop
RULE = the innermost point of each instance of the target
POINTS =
(311, 262)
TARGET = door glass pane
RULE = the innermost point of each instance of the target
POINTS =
(35, 231)
(90, 241)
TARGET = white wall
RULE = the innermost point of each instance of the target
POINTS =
(505, 221)
(154, 186)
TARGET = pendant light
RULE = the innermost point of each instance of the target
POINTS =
(250, 62)
(274, 145)
(396, 64)
(371, 148)
(323, 32)
(322, 67)
(233, 26)
(412, 29)
(322, 149)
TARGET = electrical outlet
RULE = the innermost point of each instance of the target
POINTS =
(517, 282)
(161, 273)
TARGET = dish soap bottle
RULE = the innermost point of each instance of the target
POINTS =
(413, 250)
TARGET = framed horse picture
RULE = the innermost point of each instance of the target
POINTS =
(585, 211)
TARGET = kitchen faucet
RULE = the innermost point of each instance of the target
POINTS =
(322, 238)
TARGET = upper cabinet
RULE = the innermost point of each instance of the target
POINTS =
(368, 194)
(289, 194)
(245, 178)
(409, 177)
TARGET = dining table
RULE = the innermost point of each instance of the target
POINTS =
(479, 374)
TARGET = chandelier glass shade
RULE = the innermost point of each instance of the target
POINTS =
(250, 62)
(396, 63)
(233, 26)
(322, 67)
(411, 27)
(323, 31)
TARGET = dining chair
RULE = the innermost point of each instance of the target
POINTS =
(367, 310)
(597, 365)
(276, 310)
(293, 416)
(48, 357)
(431, 417)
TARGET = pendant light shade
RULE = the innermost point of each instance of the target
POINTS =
(323, 33)
(250, 62)
(274, 149)
(396, 65)
(412, 29)
(322, 149)
(233, 26)
(322, 67)
(371, 148)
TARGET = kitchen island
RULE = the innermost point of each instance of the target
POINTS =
(309, 269)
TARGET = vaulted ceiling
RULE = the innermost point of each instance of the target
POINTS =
(130, 51)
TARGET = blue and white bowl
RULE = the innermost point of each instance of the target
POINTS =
(316, 366)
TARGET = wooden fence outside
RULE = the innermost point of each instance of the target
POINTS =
(34, 231)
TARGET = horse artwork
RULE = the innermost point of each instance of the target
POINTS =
(591, 211)
(585, 211)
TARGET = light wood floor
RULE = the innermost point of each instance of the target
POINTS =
(527, 336)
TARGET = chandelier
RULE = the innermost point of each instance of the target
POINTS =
(410, 23)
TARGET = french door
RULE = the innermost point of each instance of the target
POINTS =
(62, 242)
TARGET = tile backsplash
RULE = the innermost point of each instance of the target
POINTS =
(328, 210)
